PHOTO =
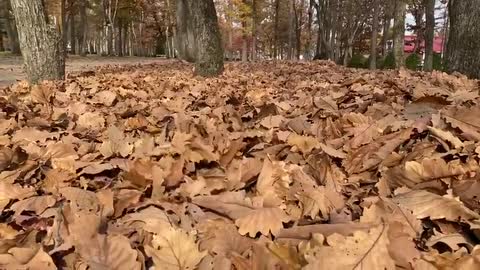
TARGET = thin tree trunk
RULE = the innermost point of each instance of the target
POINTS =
(120, 39)
(399, 33)
(73, 35)
(275, 30)
(386, 28)
(82, 31)
(186, 43)
(373, 39)
(244, 42)
(291, 30)
(41, 44)
(463, 48)
(2, 47)
(254, 29)
(63, 23)
(429, 34)
(308, 42)
(11, 28)
(298, 32)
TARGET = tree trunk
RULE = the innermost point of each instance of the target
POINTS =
(429, 34)
(463, 48)
(209, 56)
(244, 48)
(186, 43)
(2, 48)
(254, 29)
(63, 22)
(275, 30)
(11, 28)
(291, 30)
(399, 33)
(308, 42)
(73, 36)
(386, 28)
(41, 44)
(82, 46)
(120, 39)
(373, 39)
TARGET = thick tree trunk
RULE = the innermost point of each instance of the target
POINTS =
(399, 33)
(373, 39)
(82, 45)
(463, 48)
(41, 44)
(209, 51)
(429, 34)
(186, 43)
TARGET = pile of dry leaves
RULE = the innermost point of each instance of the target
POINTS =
(270, 166)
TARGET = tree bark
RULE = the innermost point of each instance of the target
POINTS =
(209, 51)
(2, 48)
(244, 42)
(463, 47)
(82, 46)
(429, 34)
(373, 39)
(254, 29)
(399, 33)
(73, 35)
(186, 43)
(386, 28)
(41, 44)
(11, 28)
(275, 30)
(308, 42)
(291, 30)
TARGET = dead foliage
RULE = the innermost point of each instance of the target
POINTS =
(270, 166)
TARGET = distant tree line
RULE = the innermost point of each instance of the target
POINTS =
(249, 30)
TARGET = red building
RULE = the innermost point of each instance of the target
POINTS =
(438, 44)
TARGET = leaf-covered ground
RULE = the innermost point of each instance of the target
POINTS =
(270, 166)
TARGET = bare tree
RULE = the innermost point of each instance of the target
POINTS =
(40, 42)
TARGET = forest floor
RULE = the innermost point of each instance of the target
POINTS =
(11, 67)
(282, 165)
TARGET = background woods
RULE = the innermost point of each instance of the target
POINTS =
(357, 33)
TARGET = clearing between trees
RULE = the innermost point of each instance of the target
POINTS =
(11, 67)
(284, 165)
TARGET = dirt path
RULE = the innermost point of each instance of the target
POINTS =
(11, 67)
